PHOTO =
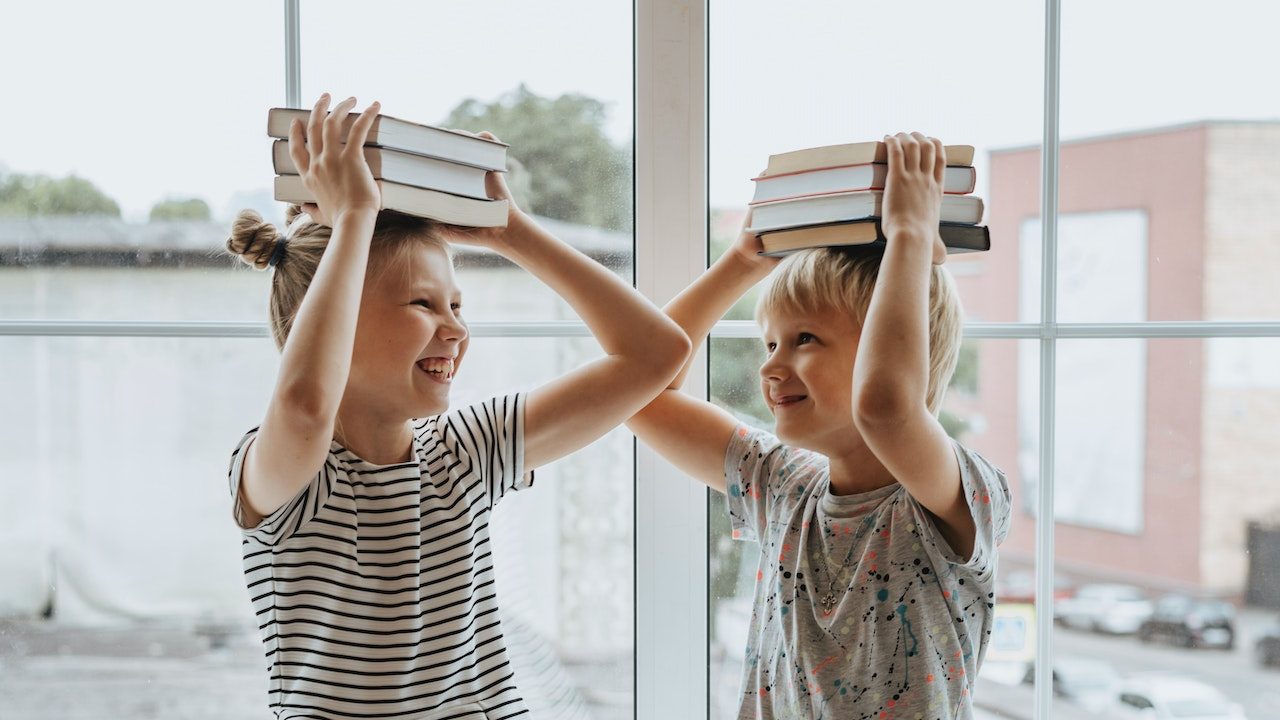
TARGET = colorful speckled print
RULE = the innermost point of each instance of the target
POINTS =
(908, 619)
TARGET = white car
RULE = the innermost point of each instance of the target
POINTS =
(1171, 697)
(1113, 608)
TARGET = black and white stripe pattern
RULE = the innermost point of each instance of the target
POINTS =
(374, 588)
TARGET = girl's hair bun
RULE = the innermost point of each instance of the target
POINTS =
(253, 239)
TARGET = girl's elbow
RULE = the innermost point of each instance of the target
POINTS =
(675, 353)
(306, 404)
(678, 345)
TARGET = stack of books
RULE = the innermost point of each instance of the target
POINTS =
(421, 170)
(832, 196)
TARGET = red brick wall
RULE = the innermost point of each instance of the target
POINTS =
(1163, 173)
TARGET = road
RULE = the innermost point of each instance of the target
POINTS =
(1235, 673)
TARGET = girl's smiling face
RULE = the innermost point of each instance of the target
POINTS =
(807, 377)
(410, 337)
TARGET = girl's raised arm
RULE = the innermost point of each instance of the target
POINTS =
(294, 438)
(645, 349)
(690, 432)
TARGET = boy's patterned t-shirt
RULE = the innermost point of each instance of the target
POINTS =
(908, 619)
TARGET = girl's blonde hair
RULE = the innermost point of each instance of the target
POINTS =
(838, 279)
(257, 242)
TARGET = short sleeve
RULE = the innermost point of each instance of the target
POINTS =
(291, 517)
(487, 440)
(986, 491)
(760, 473)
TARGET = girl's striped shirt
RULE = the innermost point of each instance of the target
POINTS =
(374, 587)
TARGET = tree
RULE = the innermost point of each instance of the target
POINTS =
(181, 209)
(26, 195)
(566, 167)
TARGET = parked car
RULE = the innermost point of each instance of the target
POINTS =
(1267, 649)
(1105, 607)
(1190, 622)
(1083, 682)
(1173, 697)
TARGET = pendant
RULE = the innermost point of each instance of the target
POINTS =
(828, 602)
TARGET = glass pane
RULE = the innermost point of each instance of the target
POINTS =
(136, 151)
(101, 620)
(1167, 523)
(985, 410)
(559, 96)
(978, 82)
(1167, 202)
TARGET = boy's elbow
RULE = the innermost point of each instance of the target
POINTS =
(882, 406)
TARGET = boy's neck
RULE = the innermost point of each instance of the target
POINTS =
(856, 469)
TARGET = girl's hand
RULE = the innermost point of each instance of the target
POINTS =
(495, 185)
(748, 247)
(333, 171)
(913, 191)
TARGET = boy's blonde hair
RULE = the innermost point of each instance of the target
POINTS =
(838, 279)
(296, 258)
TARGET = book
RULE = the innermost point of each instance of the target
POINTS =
(848, 178)
(868, 233)
(433, 204)
(862, 153)
(844, 207)
(397, 134)
(406, 169)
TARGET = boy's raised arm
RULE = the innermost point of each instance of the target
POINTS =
(689, 432)
(891, 372)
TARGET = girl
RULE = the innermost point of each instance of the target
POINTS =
(366, 545)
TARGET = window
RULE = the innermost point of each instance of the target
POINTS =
(1130, 404)
(1134, 404)
(135, 354)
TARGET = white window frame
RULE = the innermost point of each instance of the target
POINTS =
(671, 125)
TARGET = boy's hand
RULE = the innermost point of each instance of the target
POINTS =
(748, 248)
(334, 171)
(913, 191)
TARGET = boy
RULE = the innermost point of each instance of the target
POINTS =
(878, 532)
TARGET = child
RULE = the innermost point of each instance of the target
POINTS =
(366, 542)
(878, 532)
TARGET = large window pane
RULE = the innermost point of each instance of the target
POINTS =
(123, 593)
(820, 73)
(561, 97)
(136, 146)
(1168, 179)
(1167, 519)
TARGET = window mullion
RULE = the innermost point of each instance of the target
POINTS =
(1044, 550)
(292, 55)
(671, 250)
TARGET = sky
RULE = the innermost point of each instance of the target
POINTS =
(151, 100)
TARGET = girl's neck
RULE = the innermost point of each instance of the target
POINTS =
(375, 440)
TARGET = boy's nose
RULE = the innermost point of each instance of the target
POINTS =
(773, 371)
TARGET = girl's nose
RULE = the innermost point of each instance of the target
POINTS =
(453, 330)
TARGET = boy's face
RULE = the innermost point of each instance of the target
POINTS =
(807, 377)
(410, 336)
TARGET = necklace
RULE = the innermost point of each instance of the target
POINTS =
(829, 600)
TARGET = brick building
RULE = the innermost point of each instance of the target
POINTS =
(1166, 448)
